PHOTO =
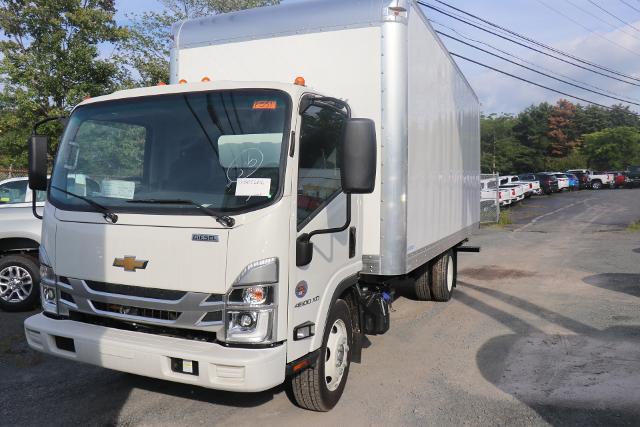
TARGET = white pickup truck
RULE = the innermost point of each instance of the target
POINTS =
(505, 181)
(516, 191)
(534, 185)
(19, 242)
(597, 180)
(489, 192)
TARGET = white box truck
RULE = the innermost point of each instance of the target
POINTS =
(234, 230)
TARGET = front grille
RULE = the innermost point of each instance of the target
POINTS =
(214, 316)
(137, 311)
(194, 335)
(136, 291)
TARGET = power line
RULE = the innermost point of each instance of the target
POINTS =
(533, 48)
(521, 36)
(612, 15)
(527, 61)
(615, 27)
(592, 31)
(632, 7)
(536, 71)
(529, 81)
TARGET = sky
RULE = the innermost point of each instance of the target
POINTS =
(585, 31)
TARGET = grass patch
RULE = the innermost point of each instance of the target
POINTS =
(634, 227)
(505, 218)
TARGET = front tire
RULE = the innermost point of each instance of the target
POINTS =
(443, 277)
(320, 387)
(596, 185)
(19, 283)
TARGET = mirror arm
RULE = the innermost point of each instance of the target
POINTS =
(47, 120)
(334, 230)
(33, 205)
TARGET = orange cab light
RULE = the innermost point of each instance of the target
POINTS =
(182, 81)
(300, 81)
(205, 79)
(161, 84)
(86, 97)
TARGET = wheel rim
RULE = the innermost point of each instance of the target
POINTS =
(336, 355)
(16, 284)
(450, 273)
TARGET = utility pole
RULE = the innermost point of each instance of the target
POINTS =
(494, 151)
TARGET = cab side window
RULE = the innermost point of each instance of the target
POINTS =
(318, 169)
(13, 192)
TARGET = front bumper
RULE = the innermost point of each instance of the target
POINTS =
(220, 368)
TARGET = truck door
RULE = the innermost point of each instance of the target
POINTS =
(321, 204)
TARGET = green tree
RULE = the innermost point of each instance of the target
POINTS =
(147, 50)
(50, 61)
(613, 148)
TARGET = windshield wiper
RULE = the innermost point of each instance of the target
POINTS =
(108, 215)
(227, 221)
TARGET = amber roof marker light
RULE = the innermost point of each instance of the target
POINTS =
(299, 81)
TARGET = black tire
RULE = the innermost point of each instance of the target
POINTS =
(421, 284)
(20, 267)
(597, 185)
(443, 277)
(309, 387)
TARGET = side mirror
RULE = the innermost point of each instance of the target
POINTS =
(38, 162)
(304, 250)
(359, 158)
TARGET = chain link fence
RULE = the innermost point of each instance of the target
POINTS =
(12, 173)
(489, 199)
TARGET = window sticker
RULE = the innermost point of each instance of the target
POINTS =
(248, 187)
(265, 105)
(118, 189)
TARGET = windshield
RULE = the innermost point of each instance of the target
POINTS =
(223, 150)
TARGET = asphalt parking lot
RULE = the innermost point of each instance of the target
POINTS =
(544, 328)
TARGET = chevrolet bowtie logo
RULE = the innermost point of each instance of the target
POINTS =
(129, 263)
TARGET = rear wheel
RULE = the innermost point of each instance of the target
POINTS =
(19, 280)
(597, 185)
(443, 277)
(319, 388)
(421, 284)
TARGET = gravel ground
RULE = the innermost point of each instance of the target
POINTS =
(544, 328)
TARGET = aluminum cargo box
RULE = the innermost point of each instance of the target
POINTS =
(384, 58)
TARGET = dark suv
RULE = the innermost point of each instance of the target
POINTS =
(634, 176)
(548, 182)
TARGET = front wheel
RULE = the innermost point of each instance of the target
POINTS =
(19, 281)
(596, 185)
(320, 387)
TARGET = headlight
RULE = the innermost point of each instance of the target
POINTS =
(249, 326)
(250, 313)
(48, 289)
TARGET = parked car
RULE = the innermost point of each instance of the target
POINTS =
(516, 192)
(583, 179)
(597, 180)
(19, 243)
(489, 193)
(533, 185)
(574, 182)
(563, 180)
(531, 179)
(505, 198)
(620, 179)
(527, 191)
(633, 174)
(548, 182)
